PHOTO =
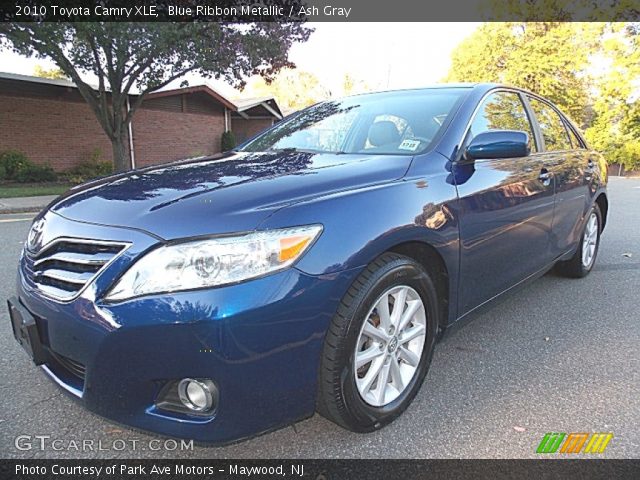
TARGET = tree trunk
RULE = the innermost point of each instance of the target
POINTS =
(121, 160)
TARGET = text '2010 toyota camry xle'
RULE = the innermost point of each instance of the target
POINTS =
(312, 268)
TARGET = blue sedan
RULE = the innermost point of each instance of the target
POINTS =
(311, 269)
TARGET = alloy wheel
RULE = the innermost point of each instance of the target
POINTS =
(590, 240)
(390, 345)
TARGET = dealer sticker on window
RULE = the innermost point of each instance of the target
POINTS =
(409, 144)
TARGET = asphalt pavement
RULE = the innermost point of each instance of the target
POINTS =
(561, 355)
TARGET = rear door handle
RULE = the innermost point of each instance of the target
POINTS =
(589, 171)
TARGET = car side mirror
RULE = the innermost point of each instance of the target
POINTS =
(498, 144)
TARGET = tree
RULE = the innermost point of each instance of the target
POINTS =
(352, 85)
(616, 129)
(549, 58)
(126, 57)
(51, 73)
(293, 89)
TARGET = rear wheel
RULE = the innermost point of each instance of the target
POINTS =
(379, 345)
(585, 257)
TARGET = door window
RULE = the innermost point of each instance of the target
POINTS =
(502, 111)
(551, 126)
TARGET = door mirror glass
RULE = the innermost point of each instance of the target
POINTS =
(498, 144)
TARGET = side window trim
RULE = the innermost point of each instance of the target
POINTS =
(573, 133)
(567, 131)
(565, 122)
(540, 146)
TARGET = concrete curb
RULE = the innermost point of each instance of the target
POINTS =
(25, 204)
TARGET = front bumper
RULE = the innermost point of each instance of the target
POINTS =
(260, 342)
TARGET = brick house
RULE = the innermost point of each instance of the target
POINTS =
(51, 123)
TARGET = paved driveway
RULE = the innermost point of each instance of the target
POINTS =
(561, 355)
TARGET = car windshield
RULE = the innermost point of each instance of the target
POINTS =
(403, 122)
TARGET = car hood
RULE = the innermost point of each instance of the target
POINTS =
(221, 194)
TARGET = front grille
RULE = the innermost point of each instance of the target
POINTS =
(71, 366)
(64, 267)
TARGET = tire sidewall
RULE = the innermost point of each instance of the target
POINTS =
(402, 272)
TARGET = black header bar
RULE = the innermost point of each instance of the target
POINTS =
(317, 10)
(320, 469)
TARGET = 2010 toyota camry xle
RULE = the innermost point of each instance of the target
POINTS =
(311, 269)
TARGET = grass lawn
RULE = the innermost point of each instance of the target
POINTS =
(9, 190)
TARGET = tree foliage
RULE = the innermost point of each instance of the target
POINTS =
(51, 73)
(227, 141)
(144, 57)
(559, 10)
(560, 61)
(545, 57)
(616, 128)
(352, 85)
(293, 89)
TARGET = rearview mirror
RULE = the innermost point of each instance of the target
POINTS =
(498, 144)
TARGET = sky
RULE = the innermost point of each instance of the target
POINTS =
(384, 55)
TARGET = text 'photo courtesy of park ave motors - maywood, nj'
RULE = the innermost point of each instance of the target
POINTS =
(295, 470)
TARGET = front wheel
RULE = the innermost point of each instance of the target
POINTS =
(379, 345)
(585, 257)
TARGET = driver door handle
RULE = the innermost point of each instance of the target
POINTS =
(545, 177)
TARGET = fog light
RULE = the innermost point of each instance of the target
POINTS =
(197, 395)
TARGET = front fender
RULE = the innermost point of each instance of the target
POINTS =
(359, 225)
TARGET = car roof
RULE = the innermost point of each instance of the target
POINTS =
(482, 87)
(487, 86)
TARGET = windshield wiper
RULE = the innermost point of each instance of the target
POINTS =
(285, 149)
(307, 150)
(294, 150)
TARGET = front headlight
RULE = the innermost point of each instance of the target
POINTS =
(214, 261)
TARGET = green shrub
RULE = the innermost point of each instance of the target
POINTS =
(36, 173)
(16, 167)
(91, 168)
(228, 141)
(14, 162)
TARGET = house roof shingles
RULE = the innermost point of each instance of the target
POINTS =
(236, 105)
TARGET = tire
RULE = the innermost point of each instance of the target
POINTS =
(339, 397)
(576, 267)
